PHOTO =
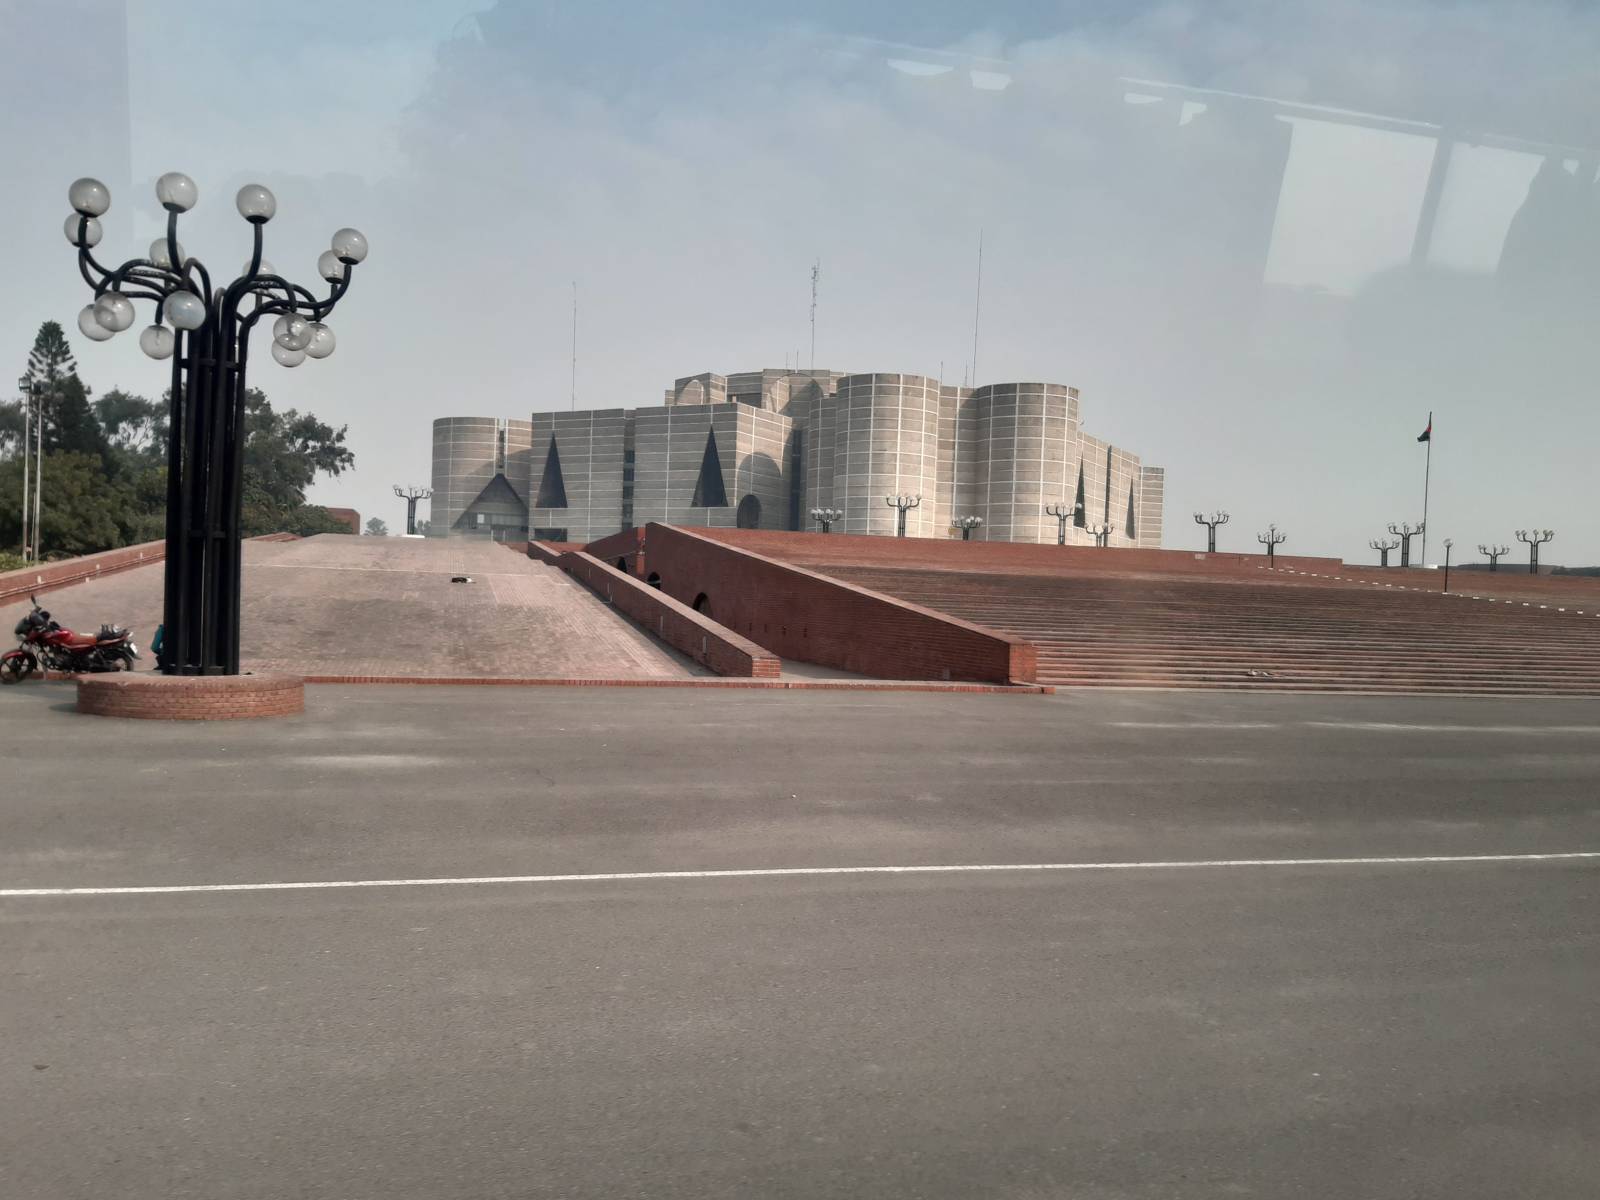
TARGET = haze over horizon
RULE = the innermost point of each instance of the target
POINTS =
(1238, 286)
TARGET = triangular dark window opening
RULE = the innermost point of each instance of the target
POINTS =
(497, 497)
(1128, 525)
(552, 488)
(1080, 515)
(709, 491)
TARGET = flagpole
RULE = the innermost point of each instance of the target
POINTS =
(1427, 475)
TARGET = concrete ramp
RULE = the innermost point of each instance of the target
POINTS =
(337, 604)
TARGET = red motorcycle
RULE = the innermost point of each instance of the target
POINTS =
(44, 643)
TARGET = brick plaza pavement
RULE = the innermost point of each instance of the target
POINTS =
(343, 605)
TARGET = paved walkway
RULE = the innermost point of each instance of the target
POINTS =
(343, 605)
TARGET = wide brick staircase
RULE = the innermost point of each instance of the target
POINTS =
(1109, 631)
(1176, 619)
(1102, 629)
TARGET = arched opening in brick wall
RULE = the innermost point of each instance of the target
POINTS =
(622, 565)
(654, 580)
(702, 604)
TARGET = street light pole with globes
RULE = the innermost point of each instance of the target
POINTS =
(205, 331)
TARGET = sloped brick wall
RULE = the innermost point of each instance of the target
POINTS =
(798, 614)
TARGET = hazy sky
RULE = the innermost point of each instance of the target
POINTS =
(1231, 283)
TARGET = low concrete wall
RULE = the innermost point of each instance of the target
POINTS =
(801, 615)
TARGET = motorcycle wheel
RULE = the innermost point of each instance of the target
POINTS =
(15, 668)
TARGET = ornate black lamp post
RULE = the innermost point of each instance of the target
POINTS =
(1062, 512)
(826, 517)
(208, 341)
(1272, 539)
(1383, 546)
(1534, 539)
(1102, 534)
(904, 504)
(1211, 523)
(967, 525)
(411, 495)
(1405, 531)
(1493, 553)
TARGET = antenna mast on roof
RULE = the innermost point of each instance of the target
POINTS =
(816, 277)
(574, 344)
(977, 305)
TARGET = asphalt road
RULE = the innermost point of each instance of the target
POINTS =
(1354, 1029)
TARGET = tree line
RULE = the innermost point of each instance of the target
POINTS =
(105, 462)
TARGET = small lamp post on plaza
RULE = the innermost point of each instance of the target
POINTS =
(1534, 538)
(1272, 539)
(967, 525)
(1493, 553)
(1062, 512)
(905, 504)
(1211, 523)
(208, 342)
(411, 495)
(1405, 531)
(1383, 546)
(1102, 534)
(1448, 542)
(826, 517)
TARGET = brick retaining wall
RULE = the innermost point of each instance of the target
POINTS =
(801, 615)
(952, 554)
(42, 577)
(675, 623)
(45, 577)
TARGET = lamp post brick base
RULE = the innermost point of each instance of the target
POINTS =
(151, 697)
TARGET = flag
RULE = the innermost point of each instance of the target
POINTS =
(1427, 434)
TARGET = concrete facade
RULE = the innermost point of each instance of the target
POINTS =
(760, 449)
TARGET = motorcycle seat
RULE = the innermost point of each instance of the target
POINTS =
(82, 641)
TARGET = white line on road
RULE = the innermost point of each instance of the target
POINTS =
(778, 872)
(1384, 727)
(1192, 724)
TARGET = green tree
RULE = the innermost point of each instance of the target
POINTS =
(80, 505)
(131, 424)
(52, 379)
(283, 454)
(376, 527)
(70, 426)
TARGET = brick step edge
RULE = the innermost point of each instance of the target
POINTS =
(795, 685)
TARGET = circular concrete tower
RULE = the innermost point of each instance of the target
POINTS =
(1025, 443)
(887, 444)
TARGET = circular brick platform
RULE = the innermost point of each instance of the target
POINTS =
(191, 697)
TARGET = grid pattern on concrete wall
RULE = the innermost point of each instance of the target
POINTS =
(1152, 506)
(590, 446)
(886, 442)
(467, 454)
(669, 447)
(694, 390)
(1110, 474)
(761, 468)
(821, 430)
(1021, 457)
